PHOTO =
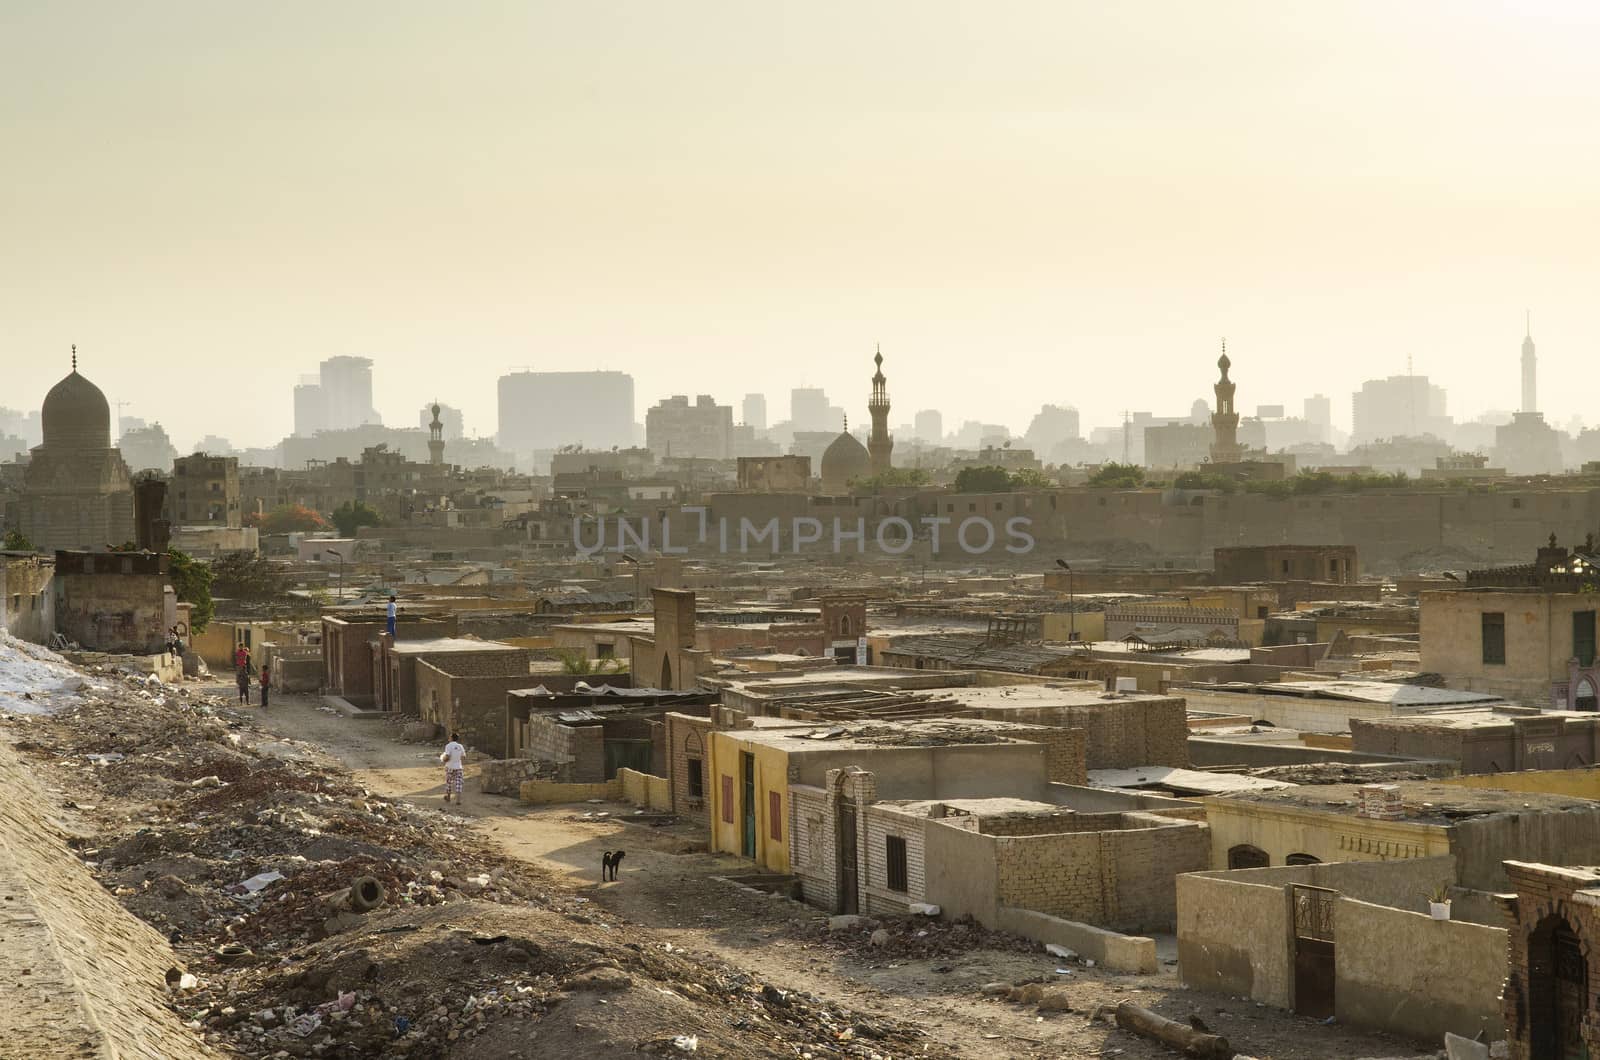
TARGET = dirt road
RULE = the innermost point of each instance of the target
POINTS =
(671, 887)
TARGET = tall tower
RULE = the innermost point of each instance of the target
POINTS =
(879, 444)
(1224, 421)
(1530, 370)
(436, 439)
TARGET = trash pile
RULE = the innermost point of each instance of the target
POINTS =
(904, 938)
(314, 918)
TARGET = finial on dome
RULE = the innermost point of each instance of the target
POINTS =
(74, 356)
(1223, 362)
(847, 423)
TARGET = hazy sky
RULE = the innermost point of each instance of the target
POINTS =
(1023, 202)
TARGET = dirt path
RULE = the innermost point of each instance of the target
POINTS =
(673, 891)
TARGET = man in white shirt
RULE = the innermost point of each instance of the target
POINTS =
(391, 614)
(454, 759)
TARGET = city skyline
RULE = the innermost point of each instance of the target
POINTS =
(730, 200)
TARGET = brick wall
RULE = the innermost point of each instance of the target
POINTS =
(1121, 877)
(813, 845)
(576, 751)
(1118, 734)
(879, 823)
(684, 740)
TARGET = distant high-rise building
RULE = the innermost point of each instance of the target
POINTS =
(1400, 406)
(548, 410)
(454, 424)
(339, 398)
(1530, 371)
(809, 410)
(755, 411)
(1052, 425)
(1318, 410)
(204, 491)
(676, 428)
(145, 448)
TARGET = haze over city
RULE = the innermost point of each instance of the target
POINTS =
(1024, 204)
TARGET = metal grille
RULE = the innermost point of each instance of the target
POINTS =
(1313, 912)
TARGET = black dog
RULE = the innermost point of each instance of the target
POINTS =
(609, 863)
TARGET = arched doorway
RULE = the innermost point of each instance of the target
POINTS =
(666, 672)
(1558, 978)
(1245, 856)
(1583, 697)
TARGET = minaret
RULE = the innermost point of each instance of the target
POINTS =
(1530, 370)
(879, 444)
(1224, 421)
(436, 439)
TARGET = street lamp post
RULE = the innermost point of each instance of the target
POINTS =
(1072, 610)
(336, 552)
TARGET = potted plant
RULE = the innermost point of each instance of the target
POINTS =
(1439, 902)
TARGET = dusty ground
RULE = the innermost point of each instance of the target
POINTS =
(667, 889)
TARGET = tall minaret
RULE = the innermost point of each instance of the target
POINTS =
(436, 439)
(1224, 421)
(879, 444)
(1530, 370)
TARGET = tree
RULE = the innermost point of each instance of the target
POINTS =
(1117, 476)
(191, 580)
(894, 478)
(247, 576)
(1201, 480)
(573, 662)
(350, 517)
(983, 479)
(288, 518)
(1029, 478)
(15, 542)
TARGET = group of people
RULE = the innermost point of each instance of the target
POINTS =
(243, 668)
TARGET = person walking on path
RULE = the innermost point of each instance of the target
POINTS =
(393, 612)
(266, 685)
(241, 663)
(454, 757)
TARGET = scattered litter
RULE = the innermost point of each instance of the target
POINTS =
(686, 1043)
(260, 881)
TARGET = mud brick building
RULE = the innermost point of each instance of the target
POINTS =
(1553, 971)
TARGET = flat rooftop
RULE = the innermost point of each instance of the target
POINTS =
(1482, 718)
(1185, 781)
(1424, 802)
(1354, 691)
(436, 644)
(1024, 697)
(934, 732)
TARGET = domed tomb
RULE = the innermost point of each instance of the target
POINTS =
(844, 459)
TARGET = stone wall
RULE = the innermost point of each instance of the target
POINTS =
(27, 597)
(115, 612)
(474, 706)
(1234, 936)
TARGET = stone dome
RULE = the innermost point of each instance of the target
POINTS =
(843, 460)
(76, 415)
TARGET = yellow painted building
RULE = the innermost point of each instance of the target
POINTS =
(1249, 834)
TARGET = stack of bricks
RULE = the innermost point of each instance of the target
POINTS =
(1381, 802)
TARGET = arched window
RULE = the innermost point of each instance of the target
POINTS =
(1245, 856)
(844, 626)
(1584, 697)
(1302, 859)
(666, 671)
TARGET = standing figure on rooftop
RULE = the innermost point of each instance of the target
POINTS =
(393, 612)
(454, 759)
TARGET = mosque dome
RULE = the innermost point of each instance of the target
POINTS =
(843, 460)
(76, 415)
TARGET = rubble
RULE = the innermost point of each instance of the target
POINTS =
(314, 918)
